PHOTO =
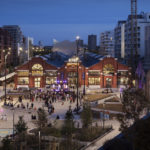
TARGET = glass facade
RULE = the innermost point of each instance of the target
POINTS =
(51, 73)
(37, 82)
(122, 73)
(23, 73)
(37, 73)
(72, 74)
(37, 70)
(108, 69)
(23, 80)
(72, 81)
(123, 81)
(51, 80)
(94, 73)
(37, 67)
(94, 81)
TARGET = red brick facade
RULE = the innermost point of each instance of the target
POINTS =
(106, 73)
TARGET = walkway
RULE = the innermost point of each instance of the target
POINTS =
(100, 142)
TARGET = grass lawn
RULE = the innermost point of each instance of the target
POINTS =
(113, 107)
(114, 99)
(96, 97)
(81, 134)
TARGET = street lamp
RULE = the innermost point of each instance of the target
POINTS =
(84, 74)
(39, 140)
(77, 42)
(103, 115)
(5, 58)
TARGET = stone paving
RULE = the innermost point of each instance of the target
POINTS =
(60, 109)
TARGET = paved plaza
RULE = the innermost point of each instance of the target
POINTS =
(60, 108)
(6, 112)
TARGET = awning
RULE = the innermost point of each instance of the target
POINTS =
(7, 76)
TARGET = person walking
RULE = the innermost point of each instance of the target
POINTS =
(32, 105)
(27, 105)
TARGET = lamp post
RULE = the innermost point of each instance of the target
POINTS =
(103, 115)
(5, 58)
(39, 140)
(84, 74)
(77, 42)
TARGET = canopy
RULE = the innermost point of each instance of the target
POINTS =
(7, 76)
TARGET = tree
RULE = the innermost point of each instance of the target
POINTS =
(141, 139)
(42, 118)
(134, 103)
(68, 129)
(21, 126)
(86, 116)
(7, 144)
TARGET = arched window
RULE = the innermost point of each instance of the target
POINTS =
(37, 67)
(108, 69)
(37, 70)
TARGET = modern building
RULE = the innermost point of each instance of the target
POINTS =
(107, 43)
(147, 49)
(5, 47)
(80, 43)
(143, 20)
(119, 38)
(92, 42)
(16, 34)
(25, 51)
(59, 72)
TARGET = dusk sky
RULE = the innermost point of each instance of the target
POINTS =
(46, 20)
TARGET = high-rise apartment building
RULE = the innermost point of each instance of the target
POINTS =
(92, 42)
(5, 50)
(143, 20)
(147, 48)
(107, 43)
(80, 42)
(16, 34)
(119, 38)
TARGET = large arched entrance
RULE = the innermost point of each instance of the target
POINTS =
(37, 73)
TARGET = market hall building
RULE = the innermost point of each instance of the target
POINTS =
(59, 72)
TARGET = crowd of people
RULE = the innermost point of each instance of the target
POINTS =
(49, 98)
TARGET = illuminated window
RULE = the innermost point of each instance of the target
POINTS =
(23, 73)
(122, 73)
(123, 81)
(93, 73)
(23, 80)
(37, 70)
(72, 81)
(72, 74)
(108, 69)
(37, 67)
(51, 80)
(94, 81)
(73, 60)
(37, 82)
(51, 73)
